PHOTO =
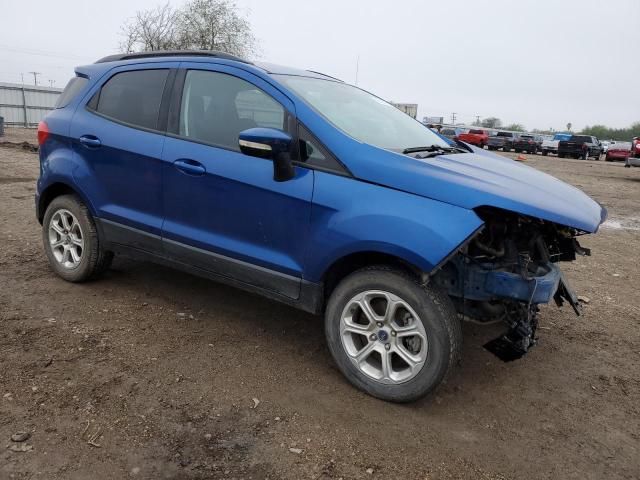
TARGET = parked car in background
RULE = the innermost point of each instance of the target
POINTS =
(451, 133)
(305, 189)
(503, 140)
(475, 137)
(551, 145)
(634, 155)
(618, 151)
(580, 146)
(525, 143)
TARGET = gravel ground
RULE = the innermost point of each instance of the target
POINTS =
(151, 373)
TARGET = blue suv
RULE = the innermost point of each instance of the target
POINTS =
(295, 185)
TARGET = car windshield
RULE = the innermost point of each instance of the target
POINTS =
(362, 115)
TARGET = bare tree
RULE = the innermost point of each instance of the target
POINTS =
(199, 25)
(215, 25)
(153, 29)
(491, 122)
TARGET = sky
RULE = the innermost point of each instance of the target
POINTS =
(540, 63)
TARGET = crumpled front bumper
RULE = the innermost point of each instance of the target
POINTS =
(484, 284)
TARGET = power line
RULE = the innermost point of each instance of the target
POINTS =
(42, 53)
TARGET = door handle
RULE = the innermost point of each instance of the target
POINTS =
(190, 167)
(90, 141)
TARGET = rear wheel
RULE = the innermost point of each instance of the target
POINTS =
(545, 153)
(71, 240)
(561, 155)
(390, 336)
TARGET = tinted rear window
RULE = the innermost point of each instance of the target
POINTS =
(580, 138)
(133, 97)
(505, 134)
(479, 132)
(75, 85)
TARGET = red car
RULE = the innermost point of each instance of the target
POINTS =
(478, 138)
(619, 152)
(635, 149)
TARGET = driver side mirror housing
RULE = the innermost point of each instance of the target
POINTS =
(269, 143)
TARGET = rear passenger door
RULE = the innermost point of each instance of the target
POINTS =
(224, 213)
(118, 137)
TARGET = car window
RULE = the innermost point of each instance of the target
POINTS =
(75, 85)
(132, 97)
(216, 107)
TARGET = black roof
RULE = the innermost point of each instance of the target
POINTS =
(171, 53)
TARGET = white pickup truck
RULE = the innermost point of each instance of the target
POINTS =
(551, 146)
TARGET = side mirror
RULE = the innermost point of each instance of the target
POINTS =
(269, 143)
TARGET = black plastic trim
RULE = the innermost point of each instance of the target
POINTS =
(337, 168)
(117, 233)
(249, 273)
(294, 291)
(171, 53)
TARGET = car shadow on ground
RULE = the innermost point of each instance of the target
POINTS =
(182, 292)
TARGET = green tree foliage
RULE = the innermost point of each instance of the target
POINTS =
(515, 127)
(605, 133)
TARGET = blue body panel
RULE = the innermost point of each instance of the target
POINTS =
(229, 205)
(350, 216)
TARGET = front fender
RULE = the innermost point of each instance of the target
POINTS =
(351, 216)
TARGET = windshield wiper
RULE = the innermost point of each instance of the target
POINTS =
(437, 149)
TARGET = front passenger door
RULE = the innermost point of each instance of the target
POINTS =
(224, 213)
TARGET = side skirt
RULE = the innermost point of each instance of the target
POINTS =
(144, 246)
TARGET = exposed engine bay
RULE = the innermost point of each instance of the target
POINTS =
(506, 270)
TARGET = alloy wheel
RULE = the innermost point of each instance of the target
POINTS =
(66, 239)
(383, 337)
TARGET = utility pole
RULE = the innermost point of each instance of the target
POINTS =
(478, 119)
(35, 77)
(453, 118)
(22, 77)
(357, 68)
(51, 83)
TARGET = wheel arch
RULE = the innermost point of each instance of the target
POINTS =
(56, 189)
(349, 263)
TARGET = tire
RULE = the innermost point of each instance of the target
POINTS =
(90, 259)
(561, 155)
(545, 153)
(518, 150)
(491, 148)
(422, 307)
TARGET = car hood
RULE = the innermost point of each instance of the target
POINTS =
(481, 178)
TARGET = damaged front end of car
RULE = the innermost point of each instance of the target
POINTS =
(506, 270)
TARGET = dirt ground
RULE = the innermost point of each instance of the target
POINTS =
(150, 373)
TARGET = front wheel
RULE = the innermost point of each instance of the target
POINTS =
(390, 336)
(71, 240)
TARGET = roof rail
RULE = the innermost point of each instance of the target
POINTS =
(171, 53)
